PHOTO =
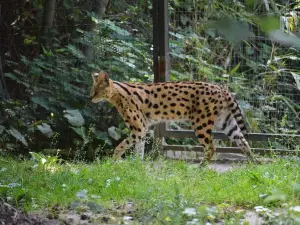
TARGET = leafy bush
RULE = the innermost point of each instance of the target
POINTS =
(57, 84)
(215, 42)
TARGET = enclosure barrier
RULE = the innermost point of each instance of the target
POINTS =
(161, 66)
(164, 132)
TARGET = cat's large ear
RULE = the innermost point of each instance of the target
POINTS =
(95, 77)
(103, 78)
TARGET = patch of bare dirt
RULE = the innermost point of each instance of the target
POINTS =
(221, 162)
(78, 213)
(11, 216)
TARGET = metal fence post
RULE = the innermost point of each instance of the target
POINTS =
(160, 55)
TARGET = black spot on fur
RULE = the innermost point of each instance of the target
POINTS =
(200, 136)
(206, 140)
(199, 127)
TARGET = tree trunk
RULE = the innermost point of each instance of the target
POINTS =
(48, 17)
(3, 89)
(99, 10)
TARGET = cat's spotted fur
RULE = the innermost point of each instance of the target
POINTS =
(205, 105)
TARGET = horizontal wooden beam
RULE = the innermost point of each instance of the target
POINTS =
(222, 136)
(226, 149)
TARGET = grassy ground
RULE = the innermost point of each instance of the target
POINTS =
(161, 192)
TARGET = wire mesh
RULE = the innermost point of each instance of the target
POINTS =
(262, 74)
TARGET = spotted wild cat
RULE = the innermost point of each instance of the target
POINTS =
(205, 105)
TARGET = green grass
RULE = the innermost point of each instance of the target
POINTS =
(160, 189)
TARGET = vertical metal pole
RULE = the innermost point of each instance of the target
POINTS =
(161, 41)
(160, 55)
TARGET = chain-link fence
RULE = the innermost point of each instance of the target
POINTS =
(224, 44)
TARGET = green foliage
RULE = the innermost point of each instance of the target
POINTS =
(45, 161)
(56, 87)
(213, 41)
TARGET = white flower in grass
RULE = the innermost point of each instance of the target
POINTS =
(193, 222)
(108, 181)
(127, 219)
(64, 187)
(95, 196)
(3, 169)
(295, 208)
(13, 185)
(261, 209)
(189, 211)
(82, 194)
